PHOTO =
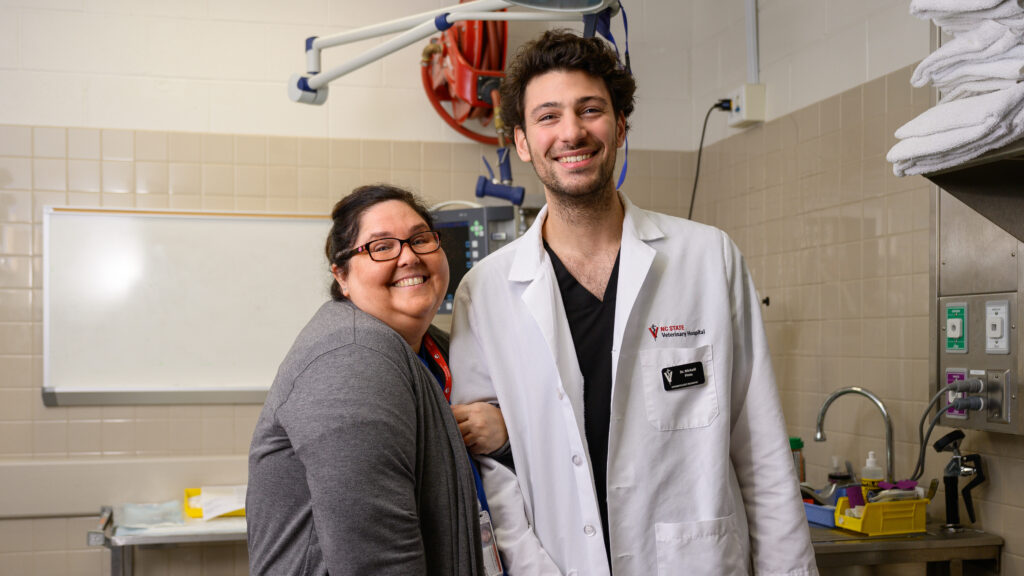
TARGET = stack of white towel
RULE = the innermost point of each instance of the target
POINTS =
(958, 16)
(978, 73)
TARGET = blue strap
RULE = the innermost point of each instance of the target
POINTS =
(603, 24)
(479, 486)
(422, 355)
(625, 162)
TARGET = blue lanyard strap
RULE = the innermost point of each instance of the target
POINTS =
(441, 375)
(601, 23)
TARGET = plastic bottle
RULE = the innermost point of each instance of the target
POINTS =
(838, 475)
(871, 474)
(838, 479)
(796, 446)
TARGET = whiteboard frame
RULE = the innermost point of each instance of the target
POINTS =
(120, 396)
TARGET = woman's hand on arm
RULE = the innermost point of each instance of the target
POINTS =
(482, 426)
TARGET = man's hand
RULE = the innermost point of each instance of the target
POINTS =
(482, 426)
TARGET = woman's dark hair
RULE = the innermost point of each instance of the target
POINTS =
(346, 215)
(566, 51)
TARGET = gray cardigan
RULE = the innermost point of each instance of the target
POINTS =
(357, 465)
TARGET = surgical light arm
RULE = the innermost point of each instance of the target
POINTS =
(312, 88)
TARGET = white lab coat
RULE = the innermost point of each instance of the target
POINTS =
(700, 478)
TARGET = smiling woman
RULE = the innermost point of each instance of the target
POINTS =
(402, 288)
(357, 465)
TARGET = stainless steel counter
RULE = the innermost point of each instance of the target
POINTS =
(122, 542)
(952, 554)
(966, 552)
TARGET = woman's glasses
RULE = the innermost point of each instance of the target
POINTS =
(384, 249)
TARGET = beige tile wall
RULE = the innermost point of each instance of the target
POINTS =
(840, 248)
(838, 245)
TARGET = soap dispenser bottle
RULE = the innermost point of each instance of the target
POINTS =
(871, 474)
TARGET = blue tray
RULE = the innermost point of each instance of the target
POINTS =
(821, 515)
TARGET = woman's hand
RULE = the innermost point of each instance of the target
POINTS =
(482, 426)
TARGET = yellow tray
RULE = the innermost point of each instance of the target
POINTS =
(884, 518)
(195, 512)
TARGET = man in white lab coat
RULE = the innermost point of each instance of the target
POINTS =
(626, 350)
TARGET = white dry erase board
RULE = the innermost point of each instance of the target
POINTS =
(151, 307)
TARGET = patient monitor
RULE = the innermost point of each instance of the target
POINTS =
(469, 234)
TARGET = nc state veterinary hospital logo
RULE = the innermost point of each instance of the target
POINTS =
(672, 330)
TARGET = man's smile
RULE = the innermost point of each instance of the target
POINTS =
(574, 158)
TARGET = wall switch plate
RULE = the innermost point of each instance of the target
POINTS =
(997, 327)
(747, 105)
(955, 375)
(955, 328)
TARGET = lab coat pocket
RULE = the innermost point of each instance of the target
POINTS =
(679, 387)
(697, 548)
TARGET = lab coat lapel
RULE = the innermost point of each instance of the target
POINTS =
(635, 259)
(543, 299)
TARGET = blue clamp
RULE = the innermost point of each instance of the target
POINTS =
(514, 194)
(304, 85)
(309, 42)
(441, 22)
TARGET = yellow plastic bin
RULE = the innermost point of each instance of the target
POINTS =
(195, 511)
(884, 518)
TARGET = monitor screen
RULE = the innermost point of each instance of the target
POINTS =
(466, 236)
(455, 243)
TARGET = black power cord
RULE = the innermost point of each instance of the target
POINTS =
(723, 104)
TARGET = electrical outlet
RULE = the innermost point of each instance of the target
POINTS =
(997, 396)
(747, 105)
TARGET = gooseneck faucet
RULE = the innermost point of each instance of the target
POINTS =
(819, 433)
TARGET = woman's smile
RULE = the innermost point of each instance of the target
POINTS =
(411, 281)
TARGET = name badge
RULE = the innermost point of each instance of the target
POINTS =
(492, 561)
(682, 376)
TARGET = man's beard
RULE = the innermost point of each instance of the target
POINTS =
(581, 202)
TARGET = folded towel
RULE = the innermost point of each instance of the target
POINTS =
(952, 5)
(951, 143)
(932, 163)
(987, 110)
(989, 41)
(938, 162)
(1009, 68)
(976, 9)
(999, 66)
(1001, 135)
(975, 88)
(961, 24)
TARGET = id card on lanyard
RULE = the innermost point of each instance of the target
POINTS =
(492, 561)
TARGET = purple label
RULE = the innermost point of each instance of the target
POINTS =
(950, 396)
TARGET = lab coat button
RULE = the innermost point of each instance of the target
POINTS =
(589, 530)
(577, 460)
(561, 394)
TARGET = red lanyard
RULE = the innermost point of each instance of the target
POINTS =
(434, 351)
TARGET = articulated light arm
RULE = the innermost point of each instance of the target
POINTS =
(312, 87)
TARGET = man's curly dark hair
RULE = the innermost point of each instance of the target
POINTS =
(566, 51)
